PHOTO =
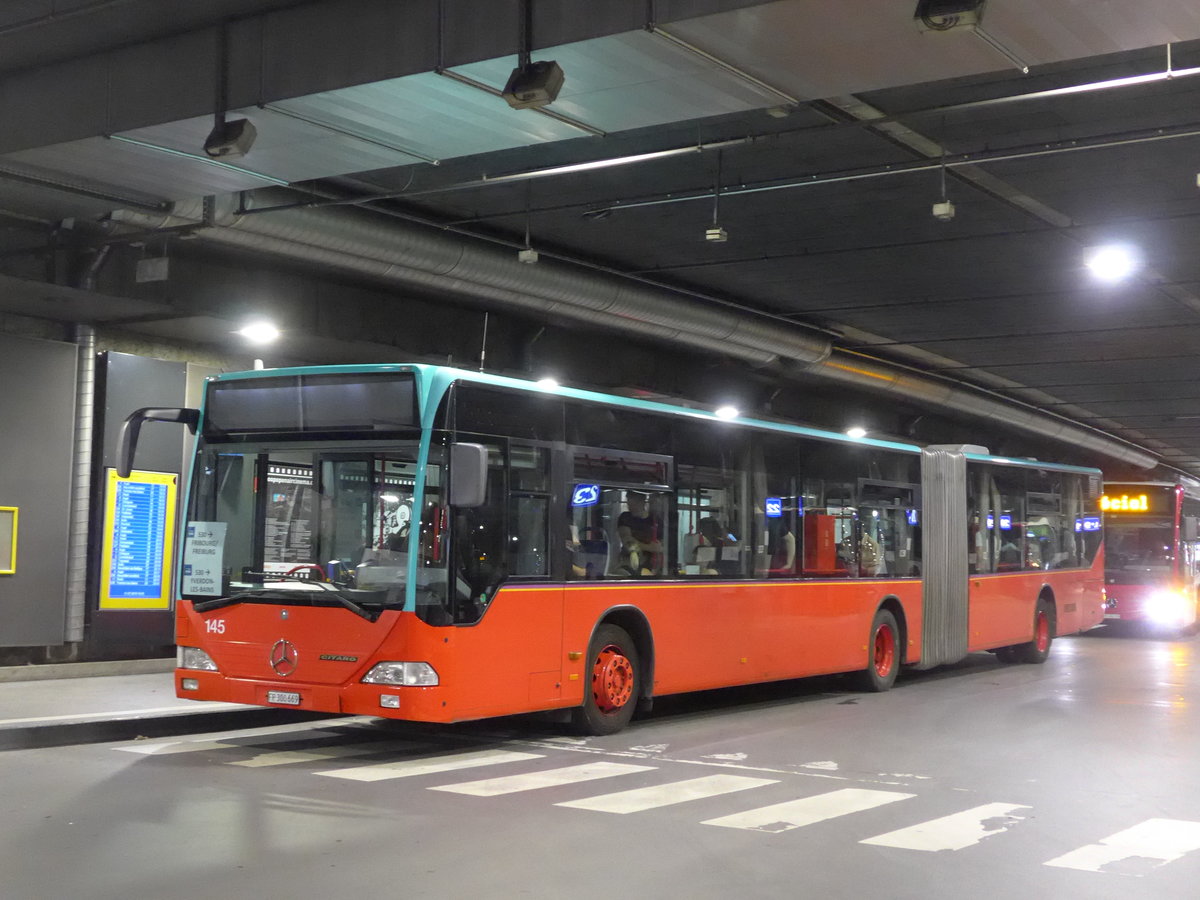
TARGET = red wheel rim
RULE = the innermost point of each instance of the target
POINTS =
(1041, 634)
(612, 679)
(885, 651)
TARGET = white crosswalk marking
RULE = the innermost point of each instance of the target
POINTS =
(1135, 850)
(952, 832)
(172, 747)
(640, 799)
(430, 766)
(511, 784)
(809, 810)
(288, 757)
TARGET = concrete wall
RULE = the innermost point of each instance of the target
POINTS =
(37, 409)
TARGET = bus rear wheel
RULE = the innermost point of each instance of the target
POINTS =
(883, 654)
(614, 675)
(1038, 650)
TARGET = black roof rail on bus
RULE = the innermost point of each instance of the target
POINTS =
(127, 445)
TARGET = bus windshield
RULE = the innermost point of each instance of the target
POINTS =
(327, 525)
(1138, 551)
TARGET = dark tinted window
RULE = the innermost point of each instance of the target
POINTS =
(519, 414)
(333, 404)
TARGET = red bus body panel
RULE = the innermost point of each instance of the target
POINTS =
(529, 651)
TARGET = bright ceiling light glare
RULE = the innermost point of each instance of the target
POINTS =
(1111, 263)
(259, 332)
(727, 412)
(856, 432)
(547, 384)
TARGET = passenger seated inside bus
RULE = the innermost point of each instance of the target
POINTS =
(589, 553)
(717, 551)
(639, 531)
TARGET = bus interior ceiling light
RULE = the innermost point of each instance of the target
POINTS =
(1111, 262)
(259, 332)
(547, 383)
(856, 432)
(727, 412)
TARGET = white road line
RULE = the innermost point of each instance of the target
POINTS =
(640, 799)
(242, 740)
(511, 784)
(809, 810)
(288, 757)
(1143, 847)
(429, 766)
(952, 832)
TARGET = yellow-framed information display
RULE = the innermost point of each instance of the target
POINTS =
(139, 538)
(8, 540)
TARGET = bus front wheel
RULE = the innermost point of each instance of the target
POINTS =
(614, 682)
(883, 654)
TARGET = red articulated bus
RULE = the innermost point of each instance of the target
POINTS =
(437, 545)
(1152, 570)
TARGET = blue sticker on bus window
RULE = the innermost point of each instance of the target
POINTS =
(585, 495)
(911, 516)
(1005, 523)
(774, 507)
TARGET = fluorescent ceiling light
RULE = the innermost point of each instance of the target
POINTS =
(259, 332)
(1112, 262)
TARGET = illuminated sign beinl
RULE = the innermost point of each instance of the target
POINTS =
(585, 495)
(1125, 503)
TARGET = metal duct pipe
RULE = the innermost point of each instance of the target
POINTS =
(81, 483)
(860, 372)
(351, 240)
(418, 256)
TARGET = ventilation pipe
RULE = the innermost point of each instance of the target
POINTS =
(417, 256)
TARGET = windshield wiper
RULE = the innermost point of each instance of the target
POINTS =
(342, 599)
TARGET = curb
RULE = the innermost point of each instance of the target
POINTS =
(30, 737)
(86, 669)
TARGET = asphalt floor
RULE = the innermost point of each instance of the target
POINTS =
(74, 703)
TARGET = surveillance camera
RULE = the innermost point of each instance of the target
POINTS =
(943, 211)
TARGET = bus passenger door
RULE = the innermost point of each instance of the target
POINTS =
(513, 642)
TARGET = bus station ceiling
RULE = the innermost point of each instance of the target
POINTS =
(819, 142)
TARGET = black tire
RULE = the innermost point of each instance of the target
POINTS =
(1037, 651)
(614, 675)
(884, 652)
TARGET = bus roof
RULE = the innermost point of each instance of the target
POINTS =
(434, 380)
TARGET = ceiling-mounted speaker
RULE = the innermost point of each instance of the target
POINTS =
(534, 85)
(230, 140)
(948, 15)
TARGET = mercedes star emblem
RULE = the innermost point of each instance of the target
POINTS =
(283, 658)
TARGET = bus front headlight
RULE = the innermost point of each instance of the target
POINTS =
(409, 674)
(194, 658)
(1168, 608)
